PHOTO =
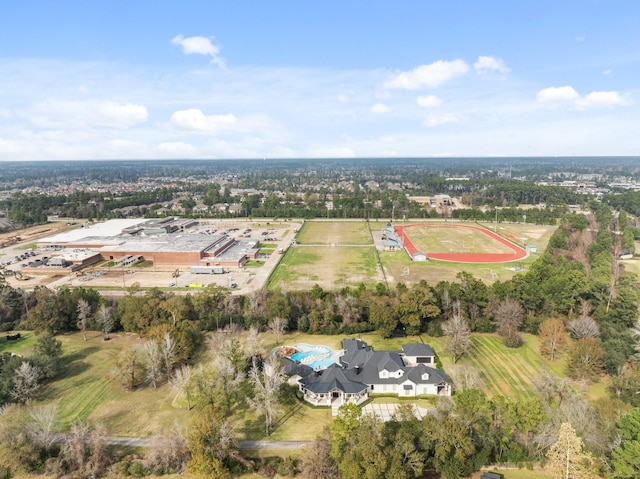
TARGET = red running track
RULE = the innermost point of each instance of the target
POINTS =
(518, 252)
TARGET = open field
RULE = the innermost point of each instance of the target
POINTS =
(330, 267)
(335, 232)
(399, 268)
(85, 392)
(440, 238)
(508, 371)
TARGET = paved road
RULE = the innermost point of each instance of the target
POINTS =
(147, 442)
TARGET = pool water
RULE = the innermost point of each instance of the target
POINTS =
(316, 357)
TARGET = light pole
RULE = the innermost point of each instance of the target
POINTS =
(495, 229)
(524, 227)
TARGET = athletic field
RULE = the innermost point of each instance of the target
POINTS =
(459, 243)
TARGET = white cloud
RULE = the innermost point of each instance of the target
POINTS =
(119, 115)
(199, 46)
(581, 38)
(431, 76)
(194, 119)
(557, 94)
(607, 72)
(343, 99)
(596, 99)
(82, 114)
(388, 139)
(380, 108)
(486, 64)
(430, 101)
(602, 99)
(435, 120)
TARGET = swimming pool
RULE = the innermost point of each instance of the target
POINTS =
(314, 356)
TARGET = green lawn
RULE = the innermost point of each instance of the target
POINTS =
(399, 268)
(335, 232)
(450, 238)
(22, 346)
(84, 390)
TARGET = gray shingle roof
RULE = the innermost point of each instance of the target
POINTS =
(361, 366)
(334, 377)
(417, 349)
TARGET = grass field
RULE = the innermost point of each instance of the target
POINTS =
(85, 392)
(335, 232)
(399, 268)
(451, 239)
(338, 262)
(509, 371)
(330, 267)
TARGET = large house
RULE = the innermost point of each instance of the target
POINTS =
(408, 373)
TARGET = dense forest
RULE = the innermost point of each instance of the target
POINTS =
(575, 297)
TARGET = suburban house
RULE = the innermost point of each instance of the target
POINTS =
(361, 370)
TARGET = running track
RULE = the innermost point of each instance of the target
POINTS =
(518, 252)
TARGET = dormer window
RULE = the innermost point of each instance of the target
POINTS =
(425, 376)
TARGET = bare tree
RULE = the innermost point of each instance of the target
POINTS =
(40, 427)
(584, 327)
(25, 382)
(203, 379)
(585, 309)
(585, 360)
(257, 303)
(317, 462)
(168, 353)
(277, 327)
(552, 389)
(98, 458)
(84, 310)
(227, 379)
(154, 361)
(465, 377)
(105, 319)
(129, 367)
(252, 342)
(170, 451)
(266, 385)
(635, 332)
(72, 450)
(458, 335)
(180, 382)
(509, 316)
(83, 451)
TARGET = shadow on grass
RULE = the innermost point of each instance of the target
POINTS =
(75, 364)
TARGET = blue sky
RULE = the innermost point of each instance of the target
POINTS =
(211, 79)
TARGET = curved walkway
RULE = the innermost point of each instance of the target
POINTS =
(518, 252)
